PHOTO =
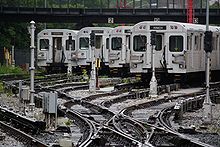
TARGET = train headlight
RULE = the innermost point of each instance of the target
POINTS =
(134, 66)
(112, 62)
(181, 66)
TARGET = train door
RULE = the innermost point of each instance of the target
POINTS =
(57, 49)
(127, 49)
(160, 50)
(70, 47)
(99, 46)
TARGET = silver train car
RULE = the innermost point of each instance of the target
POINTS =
(55, 48)
(179, 50)
(83, 53)
(119, 51)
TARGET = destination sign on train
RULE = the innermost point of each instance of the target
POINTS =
(158, 27)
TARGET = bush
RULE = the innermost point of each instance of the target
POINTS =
(11, 70)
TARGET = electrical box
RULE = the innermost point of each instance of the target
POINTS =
(25, 93)
(49, 102)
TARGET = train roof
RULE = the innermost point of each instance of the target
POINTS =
(121, 30)
(65, 31)
(186, 26)
(103, 30)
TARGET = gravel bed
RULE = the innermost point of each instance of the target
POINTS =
(211, 133)
(81, 93)
(9, 141)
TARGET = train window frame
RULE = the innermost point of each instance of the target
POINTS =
(48, 45)
(119, 41)
(161, 43)
(138, 48)
(80, 45)
(197, 42)
(170, 44)
(73, 45)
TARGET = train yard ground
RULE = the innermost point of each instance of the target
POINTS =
(118, 114)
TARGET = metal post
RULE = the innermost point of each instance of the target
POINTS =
(32, 29)
(45, 6)
(153, 82)
(19, 94)
(92, 83)
(207, 105)
(13, 56)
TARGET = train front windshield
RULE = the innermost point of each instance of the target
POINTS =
(44, 44)
(116, 43)
(84, 43)
(176, 43)
(140, 42)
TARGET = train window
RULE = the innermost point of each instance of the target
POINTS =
(158, 42)
(70, 45)
(44, 44)
(98, 41)
(84, 43)
(214, 43)
(197, 43)
(140, 42)
(107, 43)
(128, 41)
(189, 43)
(116, 43)
(176, 43)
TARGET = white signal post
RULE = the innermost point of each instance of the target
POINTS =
(32, 68)
(92, 81)
(153, 82)
(207, 105)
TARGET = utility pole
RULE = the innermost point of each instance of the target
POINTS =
(32, 29)
(92, 81)
(207, 105)
(69, 68)
(13, 56)
(153, 82)
(45, 6)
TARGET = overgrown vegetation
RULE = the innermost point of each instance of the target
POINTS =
(10, 70)
(1, 87)
(68, 122)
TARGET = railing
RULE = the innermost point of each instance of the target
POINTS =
(120, 4)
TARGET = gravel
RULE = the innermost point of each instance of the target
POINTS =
(209, 134)
(9, 141)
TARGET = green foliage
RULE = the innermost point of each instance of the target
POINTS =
(10, 70)
(68, 122)
(214, 6)
(1, 87)
(14, 34)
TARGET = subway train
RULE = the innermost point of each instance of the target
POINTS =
(179, 49)
(179, 52)
(55, 48)
(119, 50)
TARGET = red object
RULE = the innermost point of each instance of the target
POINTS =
(190, 14)
(121, 4)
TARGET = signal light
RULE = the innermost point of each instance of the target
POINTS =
(208, 41)
(92, 39)
(153, 37)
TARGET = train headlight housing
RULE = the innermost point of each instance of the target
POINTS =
(134, 65)
(181, 66)
(112, 62)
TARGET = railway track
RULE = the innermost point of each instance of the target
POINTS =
(107, 114)
(21, 136)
